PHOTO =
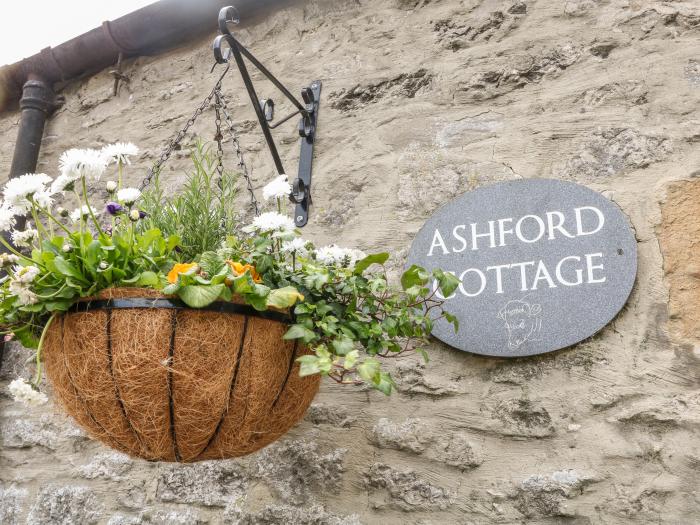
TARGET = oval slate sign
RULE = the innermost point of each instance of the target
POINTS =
(543, 264)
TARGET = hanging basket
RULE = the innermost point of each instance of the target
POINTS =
(155, 379)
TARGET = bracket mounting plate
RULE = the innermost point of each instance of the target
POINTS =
(301, 214)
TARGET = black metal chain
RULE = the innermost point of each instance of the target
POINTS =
(220, 107)
(239, 153)
(175, 141)
(218, 137)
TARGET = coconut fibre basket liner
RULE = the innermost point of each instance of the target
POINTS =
(176, 384)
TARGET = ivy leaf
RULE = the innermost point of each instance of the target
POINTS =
(415, 275)
(448, 282)
(385, 383)
(315, 281)
(299, 331)
(309, 365)
(451, 319)
(423, 354)
(369, 370)
(375, 258)
(284, 297)
(351, 359)
(200, 296)
(342, 345)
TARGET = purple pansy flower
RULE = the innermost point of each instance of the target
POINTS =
(114, 208)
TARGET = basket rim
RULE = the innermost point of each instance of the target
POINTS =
(152, 299)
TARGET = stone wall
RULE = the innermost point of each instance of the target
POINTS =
(424, 100)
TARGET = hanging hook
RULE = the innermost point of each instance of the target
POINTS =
(228, 15)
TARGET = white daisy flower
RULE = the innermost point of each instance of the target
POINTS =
(297, 245)
(80, 213)
(278, 188)
(119, 152)
(17, 190)
(111, 186)
(24, 239)
(26, 274)
(8, 259)
(7, 218)
(88, 163)
(336, 256)
(22, 391)
(271, 222)
(62, 183)
(43, 199)
(128, 196)
(24, 295)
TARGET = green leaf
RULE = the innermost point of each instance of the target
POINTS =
(67, 269)
(451, 319)
(423, 354)
(309, 365)
(171, 289)
(351, 359)
(375, 258)
(299, 331)
(211, 263)
(58, 306)
(369, 370)
(27, 338)
(284, 297)
(258, 297)
(150, 279)
(415, 275)
(342, 345)
(200, 296)
(243, 284)
(448, 282)
(385, 383)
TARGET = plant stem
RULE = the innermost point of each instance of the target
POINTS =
(38, 375)
(18, 254)
(119, 176)
(80, 211)
(92, 214)
(39, 226)
(54, 219)
(53, 294)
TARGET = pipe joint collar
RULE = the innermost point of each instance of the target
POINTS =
(37, 94)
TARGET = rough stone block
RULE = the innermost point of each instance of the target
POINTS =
(678, 236)
(12, 500)
(296, 468)
(404, 489)
(65, 505)
(209, 483)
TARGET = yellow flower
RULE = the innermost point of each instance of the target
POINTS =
(239, 269)
(178, 269)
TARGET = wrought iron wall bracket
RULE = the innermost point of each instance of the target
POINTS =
(226, 47)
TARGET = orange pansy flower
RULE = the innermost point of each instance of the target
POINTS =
(239, 269)
(178, 269)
